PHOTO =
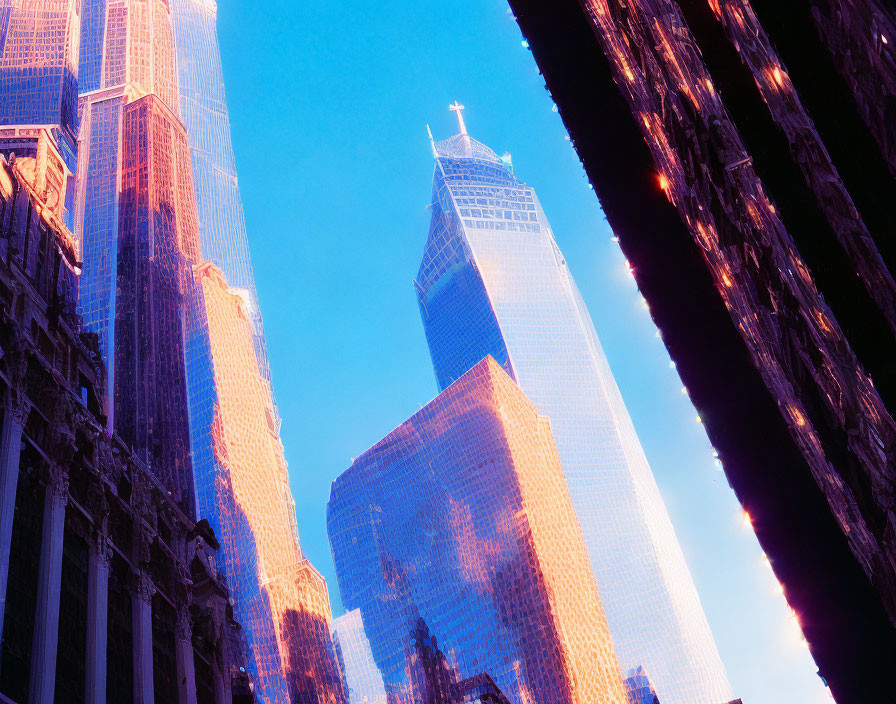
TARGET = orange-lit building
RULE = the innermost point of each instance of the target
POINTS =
(461, 517)
(283, 599)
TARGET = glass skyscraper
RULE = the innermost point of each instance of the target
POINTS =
(222, 225)
(39, 93)
(459, 524)
(242, 481)
(493, 281)
(363, 681)
(138, 228)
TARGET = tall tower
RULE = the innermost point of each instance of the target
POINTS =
(493, 281)
(461, 519)
(222, 225)
(136, 218)
(282, 600)
(242, 481)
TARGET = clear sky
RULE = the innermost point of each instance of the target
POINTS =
(329, 102)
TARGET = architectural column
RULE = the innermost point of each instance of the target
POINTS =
(97, 618)
(186, 673)
(14, 415)
(142, 626)
(220, 679)
(49, 588)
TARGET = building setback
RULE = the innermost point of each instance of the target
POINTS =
(461, 517)
(493, 281)
(743, 153)
(108, 591)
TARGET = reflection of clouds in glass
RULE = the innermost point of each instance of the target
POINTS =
(461, 518)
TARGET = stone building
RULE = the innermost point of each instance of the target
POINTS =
(743, 153)
(108, 591)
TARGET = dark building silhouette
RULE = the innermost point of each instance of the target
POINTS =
(108, 591)
(743, 153)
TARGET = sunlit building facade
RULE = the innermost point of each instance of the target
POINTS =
(363, 681)
(460, 518)
(493, 281)
(281, 598)
(242, 480)
(222, 225)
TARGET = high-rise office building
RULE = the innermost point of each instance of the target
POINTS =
(638, 687)
(39, 94)
(222, 225)
(743, 152)
(363, 681)
(137, 223)
(281, 598)
(461, 517)
(184, 346)
(493, 281)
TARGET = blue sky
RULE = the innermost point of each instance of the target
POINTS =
(329, 102)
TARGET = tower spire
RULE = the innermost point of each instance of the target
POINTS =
(456, 108)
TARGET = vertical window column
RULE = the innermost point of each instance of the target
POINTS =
(143, 592)
(15, 412)
(97, 618)
(46, 620)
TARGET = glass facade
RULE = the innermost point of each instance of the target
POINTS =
(242, 479)
(493, 281)
(280, 599)
(137, 224)
(363, 681)
(204, 109)
(638, 687)
(459, 523)
(39, 95)
(157, 241)
(39, 68)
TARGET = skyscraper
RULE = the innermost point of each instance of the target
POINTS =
(493, 281)
(281, 598)
(242, 482)
(137, 223)
(461, 517)
(222, 225)
(39, 93)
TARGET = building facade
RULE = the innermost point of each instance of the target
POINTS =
(743, 154)
(639, 688)
(108, 591)
(363, 681)
(493, 281)
(137, 223)
(222, 225)
(281, 599)
(461, 518)
(39, 92)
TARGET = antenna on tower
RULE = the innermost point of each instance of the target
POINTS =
(456, 108)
